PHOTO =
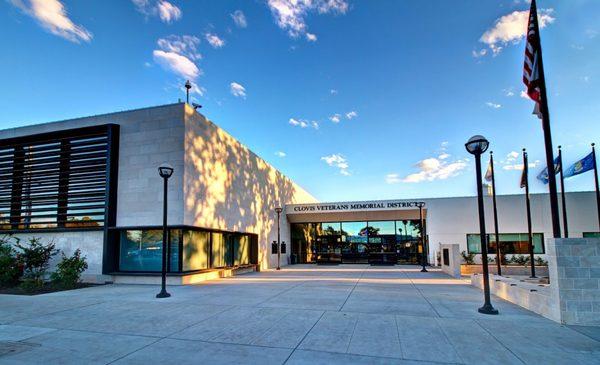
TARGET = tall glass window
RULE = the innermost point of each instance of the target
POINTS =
(241, 249)
(331, 229)
(218, 249)
(141, 250)
(195, 250)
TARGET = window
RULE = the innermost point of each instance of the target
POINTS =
(57, 180)
(591, 234)
(196, 245)
(510, 243)
(354, 232)
(141, 250)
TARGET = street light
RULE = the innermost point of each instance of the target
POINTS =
(423, 254)
(188, 86)
(278, 210)
(165, 171)
(477, 145)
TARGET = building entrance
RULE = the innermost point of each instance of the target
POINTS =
(378, 242)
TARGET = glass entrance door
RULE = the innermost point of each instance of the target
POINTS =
(329, 249)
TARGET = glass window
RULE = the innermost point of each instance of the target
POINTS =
(241, 249)
(382, 232)
(331, 229)
(195, 250)
(141, 250)
(407, 230)
(510, 243)
(591, 234)
(303, 238)
(354, 232)
(175, 239)
(218, 250)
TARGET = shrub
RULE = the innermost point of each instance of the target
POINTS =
(10, 267)
(520, 260)
(36, 258)
(69, 270)
(469, 258)
(540, 261)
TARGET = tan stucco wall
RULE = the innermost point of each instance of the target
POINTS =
(226, 186)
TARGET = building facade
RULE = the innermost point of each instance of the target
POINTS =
(92, 183)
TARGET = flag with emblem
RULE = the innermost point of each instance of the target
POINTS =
(581, 166)
(543, 175)
(531, 67)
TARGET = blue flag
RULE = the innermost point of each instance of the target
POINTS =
(543, 176)
(581, 166)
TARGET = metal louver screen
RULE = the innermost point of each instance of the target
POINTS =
(54, 180)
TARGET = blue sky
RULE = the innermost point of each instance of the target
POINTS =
(353, 100)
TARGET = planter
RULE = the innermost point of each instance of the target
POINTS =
(506, 270)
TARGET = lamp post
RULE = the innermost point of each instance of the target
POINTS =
(477, 145)
(423, 254)
(188, 86)
(278, 210)
(165, 171)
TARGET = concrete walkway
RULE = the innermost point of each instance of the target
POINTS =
(304, 314)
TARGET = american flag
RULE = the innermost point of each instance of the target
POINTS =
(531, 74)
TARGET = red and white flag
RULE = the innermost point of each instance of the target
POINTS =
(531, 72)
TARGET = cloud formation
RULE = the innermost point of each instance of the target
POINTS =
(302, 123)
(493, 105)
(311, 37)
(335, 118)
(239, 19)
(237, 90)
(290, 15)
(351, 115)
(392, 179)
(186, 45)
(510, 29)
(166, 11)
(52, 16)
(432, 168)
(177, 54)
(214, 40)
(280, 154)
(339, 161)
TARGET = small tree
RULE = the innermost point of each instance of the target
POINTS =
(540, 261)
(10, 266)
(36, 259)
(469, 258)
(69, 269)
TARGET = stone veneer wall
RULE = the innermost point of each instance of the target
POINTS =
(227, 186)
(574, 267)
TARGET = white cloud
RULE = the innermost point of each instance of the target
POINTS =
(351, 115)
(511, 156)
(585, 78)
(519, 166)
(239, 19)
(509, 92)
(443, 156)
(482, 52)
(333, 92)
(493, 105)
(335, 118)
(177, 63)
(185, 45)
(280, 154)
(311, 37)
(339, 161)
(290, 14)
(511, 28)
(432, 168)
(523, 94)
(237, 90)
(392, 179)
(303, 123)
(166, 11)
(577, 47)
(214, 40)
(52, 16)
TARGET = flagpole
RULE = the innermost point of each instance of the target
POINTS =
(596, 181)
(498, 258)
(547, 132)
(528, 204)
(562, 194)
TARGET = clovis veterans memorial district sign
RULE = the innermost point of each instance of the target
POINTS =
(354, 206)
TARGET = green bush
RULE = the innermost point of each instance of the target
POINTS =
(69, 270)
(10, 266)
(540, 261)
(520, 260)
(36, 258)
(469, 258)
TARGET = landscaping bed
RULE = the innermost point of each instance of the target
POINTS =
(44, 289)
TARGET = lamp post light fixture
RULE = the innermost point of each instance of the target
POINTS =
(188, 86)
(165, 171)
(278, 210)
(477, 145)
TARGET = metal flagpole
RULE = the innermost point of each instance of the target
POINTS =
(498, 259)
(528, 204)
(596, 181)
(562, 194)
(546, 127)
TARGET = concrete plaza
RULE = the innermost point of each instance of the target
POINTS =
(303, 314)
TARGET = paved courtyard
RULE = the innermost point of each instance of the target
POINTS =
(301, 315)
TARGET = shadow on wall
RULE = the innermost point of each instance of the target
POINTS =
(227, 186)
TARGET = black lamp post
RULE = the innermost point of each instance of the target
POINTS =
(278, 210)
(165, 171)
(423, 254)
(188, 86)
(477, 145)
